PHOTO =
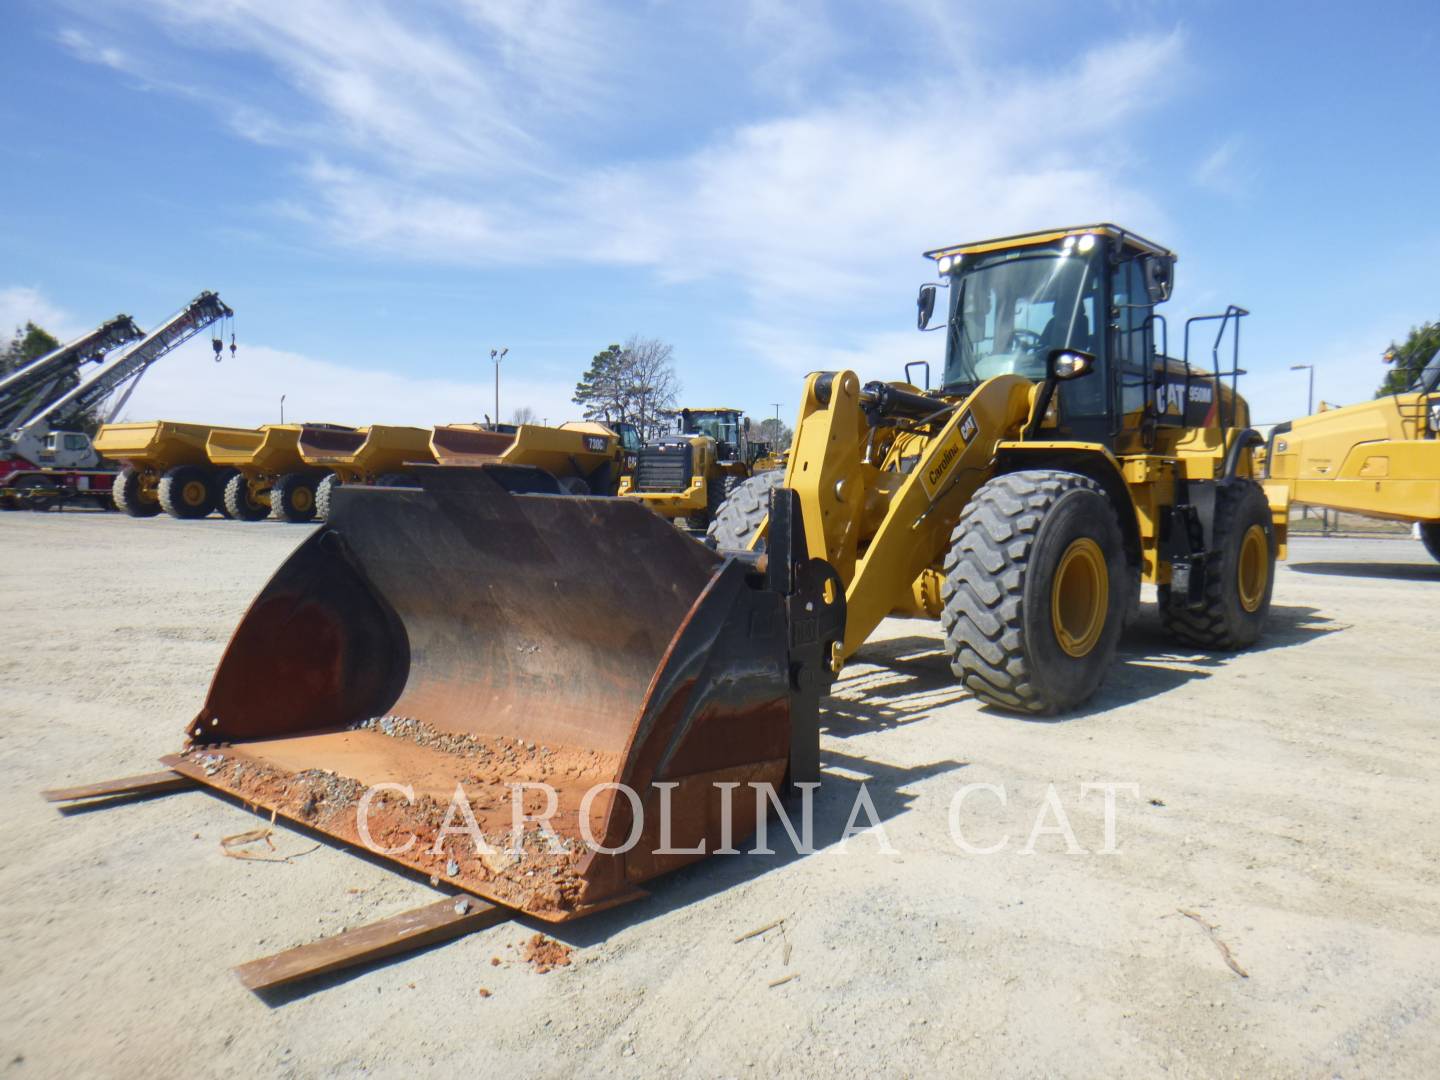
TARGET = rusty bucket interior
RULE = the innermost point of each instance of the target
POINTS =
(461, 636)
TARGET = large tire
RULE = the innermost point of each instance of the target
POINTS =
(1035, 591)
(1239, 578)
(292, 498)
(716, 492)
(127, 493)
(743, 512)
(186, 492)
(1430, 537)
(328, 483)
(222, 481)
(239, 503)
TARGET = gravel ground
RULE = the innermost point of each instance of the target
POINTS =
(1286, 798)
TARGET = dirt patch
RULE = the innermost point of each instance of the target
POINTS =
(546, 954)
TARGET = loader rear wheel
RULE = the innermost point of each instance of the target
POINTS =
(128, 495)
(292, 498)
(743, 512)
(185, 492)
(1238, 580)
(1430, 537)
(240, 503)
(323, 490)
(1035, 591)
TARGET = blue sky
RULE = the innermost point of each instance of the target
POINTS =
(384, 191)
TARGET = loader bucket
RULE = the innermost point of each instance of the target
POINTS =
(465, 645)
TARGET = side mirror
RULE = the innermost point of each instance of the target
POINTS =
(747, 425)
(1063, 365)
(925, 306)
(1159, 277)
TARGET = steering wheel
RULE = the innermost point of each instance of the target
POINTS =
(1026, 339)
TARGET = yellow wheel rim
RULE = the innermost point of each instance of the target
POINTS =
(1253, 572)
(302, 498)
(1080, 597)
(193, 493)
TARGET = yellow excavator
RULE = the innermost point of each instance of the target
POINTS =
(1379, 458)
(447, 659)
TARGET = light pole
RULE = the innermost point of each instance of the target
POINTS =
(1310, 399)
(282, 408)
(1309, 411)
(497, 355)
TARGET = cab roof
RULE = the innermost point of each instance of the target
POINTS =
(1049, 236)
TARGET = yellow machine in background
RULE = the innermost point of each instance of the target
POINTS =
(688, 474)
(165, 468)
(1379, 458)
(1063, 460)
(379, 454)
(257, 462)
(584, 457)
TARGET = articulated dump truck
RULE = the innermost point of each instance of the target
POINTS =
(381, 454)
(263, 462)
(1379, 458)
(430, 648)
(584, 457)
(166, 467)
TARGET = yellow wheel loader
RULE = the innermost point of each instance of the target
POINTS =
(549, 700)
(1380, 458)
(381, 454)
(584, 457)
(165, 467)
(256, 461)
(685, 476)
(1063, 460)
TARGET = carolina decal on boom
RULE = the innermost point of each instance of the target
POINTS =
(938, 470)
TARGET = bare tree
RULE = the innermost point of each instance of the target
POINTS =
(524, 415)
(634, 382)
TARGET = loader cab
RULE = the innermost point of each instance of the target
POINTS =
(1012, 302)
(727, 427)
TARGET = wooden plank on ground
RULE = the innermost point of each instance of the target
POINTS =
(413, 929)
(146, 784)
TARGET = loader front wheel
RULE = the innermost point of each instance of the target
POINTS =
(1430, 537)
(240, 503)
(1238, 580)
(128, 495)
(323, 491)
(186, 493)
(744, 513)
(1035, 591)
(292, 498)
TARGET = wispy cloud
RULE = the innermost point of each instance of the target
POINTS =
(474, 135)
(1227, 170)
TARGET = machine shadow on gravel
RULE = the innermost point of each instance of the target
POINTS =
(1384, 571)
(914, 677)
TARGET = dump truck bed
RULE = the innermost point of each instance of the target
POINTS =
(576, 448)
(380, 448)
(160, 444)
